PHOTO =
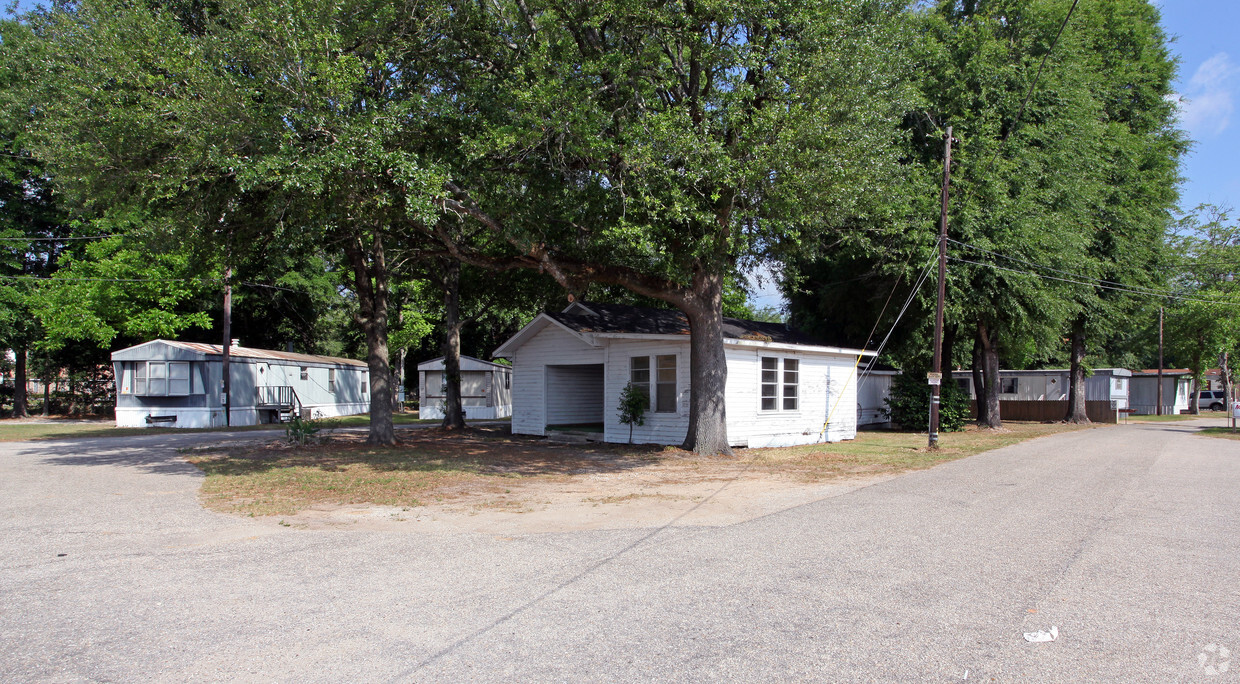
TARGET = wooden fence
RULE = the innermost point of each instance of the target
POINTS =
(1042, 411)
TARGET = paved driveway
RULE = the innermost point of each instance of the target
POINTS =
(1125, 538)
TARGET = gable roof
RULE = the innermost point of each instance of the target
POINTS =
(467, 363)
(590, 320)
(592, 317)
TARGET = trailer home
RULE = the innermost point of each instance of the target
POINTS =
(180, 384)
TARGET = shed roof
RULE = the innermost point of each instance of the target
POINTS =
(467, 363)
(203, 349)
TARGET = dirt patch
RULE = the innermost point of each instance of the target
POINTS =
(487, 480)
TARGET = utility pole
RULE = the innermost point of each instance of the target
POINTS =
(1160, 362)
(227, 342)
(936, 374)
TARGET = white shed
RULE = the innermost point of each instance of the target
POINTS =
(1177, 391)
(486, 389)
(569, 369)
(180, 384)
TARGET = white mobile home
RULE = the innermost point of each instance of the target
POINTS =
(486, 389)
(1177, 391)
(569, 369)
(1103, 384)
(873, 389)
(180, 384)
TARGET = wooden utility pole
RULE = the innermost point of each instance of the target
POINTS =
(1159, 411)
(227, 342)
(936, 373)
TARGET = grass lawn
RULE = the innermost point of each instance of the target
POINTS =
(21, 430)
(1224, 432)
(1174, 418)
(434, 465)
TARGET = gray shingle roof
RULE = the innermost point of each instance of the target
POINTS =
(640, 320)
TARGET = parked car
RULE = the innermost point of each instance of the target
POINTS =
(1215, 400)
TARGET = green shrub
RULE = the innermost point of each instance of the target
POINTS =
(909, 403)
(633, 403)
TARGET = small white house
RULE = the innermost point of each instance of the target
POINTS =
(180, 384)
(486, 389)
(569, 369)
(1177, 391)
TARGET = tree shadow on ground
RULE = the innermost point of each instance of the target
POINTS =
(489, 450)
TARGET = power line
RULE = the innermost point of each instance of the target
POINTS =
(1153, 293)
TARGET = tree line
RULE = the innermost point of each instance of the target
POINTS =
(371, 176)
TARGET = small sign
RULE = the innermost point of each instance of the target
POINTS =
(934, 378)
(1235, 410)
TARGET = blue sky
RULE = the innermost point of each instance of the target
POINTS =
(1207, 40)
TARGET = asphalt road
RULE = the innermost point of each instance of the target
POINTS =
(1125, 538)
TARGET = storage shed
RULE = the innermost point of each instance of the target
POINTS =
(783, 388)
(1177, 391)
(486, 389)
(180, 384)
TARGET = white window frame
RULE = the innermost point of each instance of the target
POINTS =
(331, 380)
(163, 373)
(779, 384)
(645, 384)
(1015, 385)
(657, 381)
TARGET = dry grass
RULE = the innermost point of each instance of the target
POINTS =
(431, 465)
(481, 468)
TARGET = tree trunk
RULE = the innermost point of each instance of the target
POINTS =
(1076, 381)
(708, 368)
(370, 279)
(453, 413)
(990, 371)
(19, 383)
(979, 383)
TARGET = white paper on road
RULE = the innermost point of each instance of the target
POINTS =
(1041, 636)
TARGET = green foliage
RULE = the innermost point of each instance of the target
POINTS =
(301, 431)
(909, 403)
(633, 404)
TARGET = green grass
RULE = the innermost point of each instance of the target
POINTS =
(1172, 418)
(1223, 432)
(884, 451)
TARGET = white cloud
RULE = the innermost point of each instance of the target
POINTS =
(1207, 104)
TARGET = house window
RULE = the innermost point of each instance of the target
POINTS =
(331, 380)
(363, 388)
(305, 373)
(161, 378)
(443, 383)
(792, 372)
(780, 391)
(770, 384)
(665, 384)
(1119, 383)
(963, 384)
(507, 380)
(1007, 386)
(639, 374)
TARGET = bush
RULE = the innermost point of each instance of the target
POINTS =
(909, 403)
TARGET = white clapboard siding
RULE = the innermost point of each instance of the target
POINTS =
(551, 346)
(659, 428)
(827, 387)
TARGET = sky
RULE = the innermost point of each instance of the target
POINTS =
(1206, 37)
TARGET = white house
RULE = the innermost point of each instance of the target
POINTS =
(486, 389)
(569, 368)
(180, 384)
(1177, 391)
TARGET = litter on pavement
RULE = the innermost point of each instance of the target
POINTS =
(1041, 636)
